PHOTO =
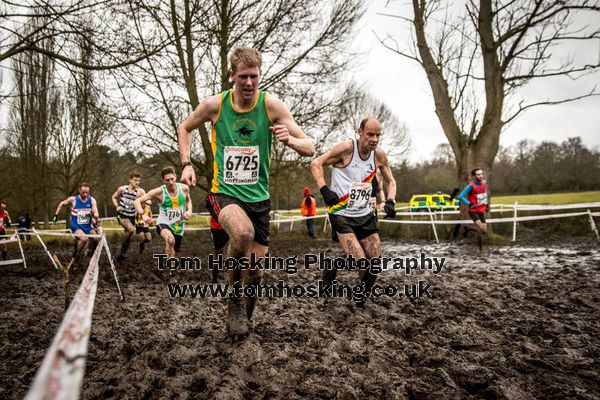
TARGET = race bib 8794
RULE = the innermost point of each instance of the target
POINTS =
(240, 165)
(359, 196)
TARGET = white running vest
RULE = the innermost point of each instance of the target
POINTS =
(352, 184)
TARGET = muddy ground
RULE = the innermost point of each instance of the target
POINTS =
(521, 322)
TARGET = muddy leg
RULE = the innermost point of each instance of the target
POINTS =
(481, 229)
(254, 278)
(129, 231)
(241, 235)
(351, 245)
(169, 239)
(372, 247)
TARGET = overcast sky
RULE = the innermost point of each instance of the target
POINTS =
(402, 84)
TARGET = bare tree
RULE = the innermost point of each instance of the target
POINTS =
(475, 65)
(83, 125)
(304, 47)
(65, 25)
(33, 116)
(358, 104)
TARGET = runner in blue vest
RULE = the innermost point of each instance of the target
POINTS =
(84, 219)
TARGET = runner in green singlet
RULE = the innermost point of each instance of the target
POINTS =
(174, 208)
(244, 121)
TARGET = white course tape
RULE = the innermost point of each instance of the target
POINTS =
(296, 219)
(104, 243)
(9, 238)
(61, 372)
(54, 233)
(39, 238)
(533, 207)
(23, 254)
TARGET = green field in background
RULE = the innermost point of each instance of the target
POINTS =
(549, 199)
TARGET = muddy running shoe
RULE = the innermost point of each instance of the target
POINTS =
(237, 322)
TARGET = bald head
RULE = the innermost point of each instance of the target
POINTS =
(366, 120)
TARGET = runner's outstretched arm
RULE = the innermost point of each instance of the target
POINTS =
(463, 196)
(95, 212)
(65, 202)
(333, 156)
(386, 171)
(115, 198)
(206, 111)
(153, 194)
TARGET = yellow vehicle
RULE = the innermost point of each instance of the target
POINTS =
(433, 202)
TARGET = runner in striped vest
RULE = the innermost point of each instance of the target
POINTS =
(123, 199)
(352, 217)
(174, 208)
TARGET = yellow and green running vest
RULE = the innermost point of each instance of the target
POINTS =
(241, 146)
(170, 211)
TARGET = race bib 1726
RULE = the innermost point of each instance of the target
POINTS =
(359, 196)
(174, 215)
(241, 165)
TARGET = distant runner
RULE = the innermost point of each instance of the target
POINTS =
(5, 222)
(476, 197)
(308, 208)
(174, 208)
(142, 229)
(123, 199)
(84, 219)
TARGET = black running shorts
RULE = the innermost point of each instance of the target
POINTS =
(259, 213)
(362, 227)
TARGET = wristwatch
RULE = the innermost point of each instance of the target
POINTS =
(185, 164)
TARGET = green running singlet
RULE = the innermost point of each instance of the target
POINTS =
(241, 146)
(171, 210)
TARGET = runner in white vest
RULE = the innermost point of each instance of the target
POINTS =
(352, 217)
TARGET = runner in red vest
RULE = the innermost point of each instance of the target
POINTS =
(475, 196)
(308, 208)
(4, 222)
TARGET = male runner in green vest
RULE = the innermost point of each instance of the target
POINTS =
(174, 208)
(244, 121)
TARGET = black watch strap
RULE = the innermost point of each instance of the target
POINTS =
(185, 164)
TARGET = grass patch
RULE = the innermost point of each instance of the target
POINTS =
(549, 199)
